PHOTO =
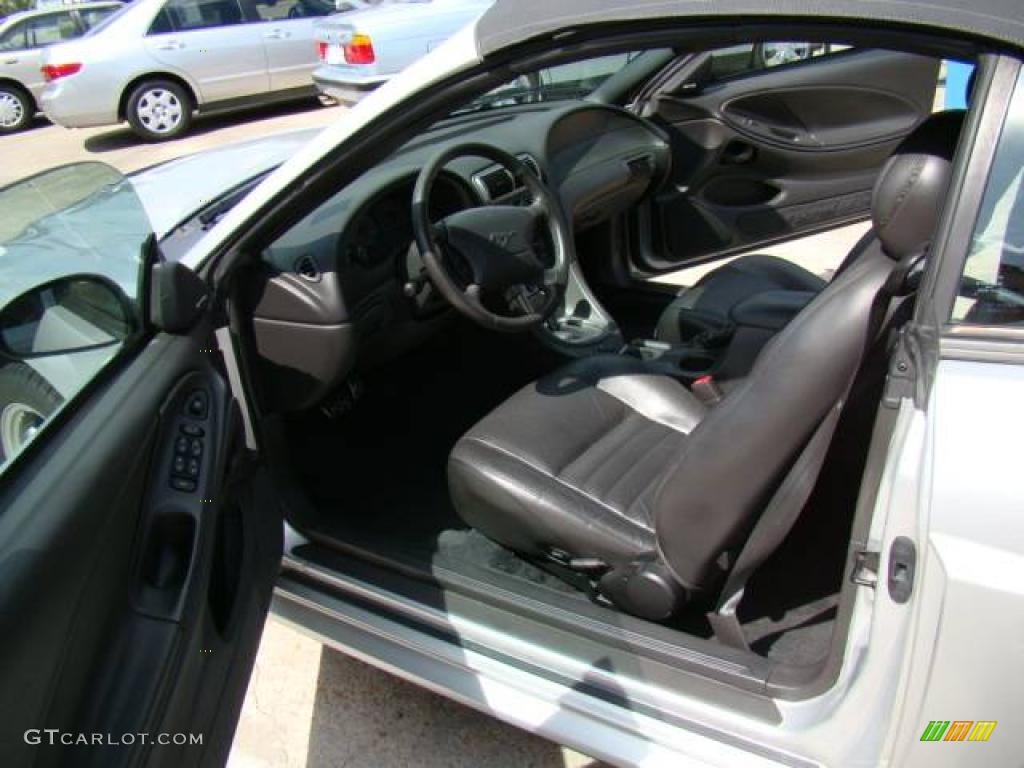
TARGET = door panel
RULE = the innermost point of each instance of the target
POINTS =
(779, 152)
(131, 602)
(291, 54)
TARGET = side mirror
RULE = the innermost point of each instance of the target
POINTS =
(70, 314)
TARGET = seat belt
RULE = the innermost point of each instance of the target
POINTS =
(789, 499)
(772, 527)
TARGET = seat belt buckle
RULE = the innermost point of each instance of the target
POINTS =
(707, 390)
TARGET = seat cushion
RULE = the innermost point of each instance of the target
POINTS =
(572, 461)
(710, 301)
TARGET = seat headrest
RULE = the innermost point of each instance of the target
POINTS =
(911, 189)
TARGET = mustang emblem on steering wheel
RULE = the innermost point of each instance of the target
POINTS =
(501, 239)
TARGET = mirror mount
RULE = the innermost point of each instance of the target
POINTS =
(177, 297)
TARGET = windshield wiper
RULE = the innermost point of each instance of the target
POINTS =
(213, 213)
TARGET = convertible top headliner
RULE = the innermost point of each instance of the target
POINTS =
(508, 22)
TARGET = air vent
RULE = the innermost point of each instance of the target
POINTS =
(306, 268)
(495, 183)
(498, 182)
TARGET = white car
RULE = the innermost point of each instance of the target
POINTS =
(23, 36)
(359, 52)
(436, 392)
(158, 62)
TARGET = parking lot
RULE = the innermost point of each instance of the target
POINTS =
(307, 705)
(45, 146)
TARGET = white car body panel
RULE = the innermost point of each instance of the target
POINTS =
(969, 593)
(290, 55)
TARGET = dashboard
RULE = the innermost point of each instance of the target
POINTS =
(343, 288)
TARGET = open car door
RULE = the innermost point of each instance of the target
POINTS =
(774, 140)
(139, 537)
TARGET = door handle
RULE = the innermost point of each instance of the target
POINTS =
(171, 45)
(278, 34)
(10, 61)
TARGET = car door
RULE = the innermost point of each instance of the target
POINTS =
(286, 27)
(952, 477)
(21, 47)
(139, 537)
(212, 45)
(775, 140)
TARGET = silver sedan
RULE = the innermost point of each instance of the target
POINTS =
(160, 61)
(23, 36)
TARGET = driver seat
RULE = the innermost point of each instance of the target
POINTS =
(625, 477)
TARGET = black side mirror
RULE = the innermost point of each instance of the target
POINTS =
(70, 314)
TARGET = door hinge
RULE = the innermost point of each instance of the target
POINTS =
(865, 568)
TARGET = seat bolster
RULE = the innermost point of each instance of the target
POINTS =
(528, 509)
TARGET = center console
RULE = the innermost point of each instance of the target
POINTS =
(722, 350)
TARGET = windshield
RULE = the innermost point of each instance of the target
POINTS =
(565, 82)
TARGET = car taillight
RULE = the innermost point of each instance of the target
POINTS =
(359, 50)
(321, 51)
(54, 71)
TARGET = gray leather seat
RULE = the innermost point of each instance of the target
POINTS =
(708, 304)
(611, 470)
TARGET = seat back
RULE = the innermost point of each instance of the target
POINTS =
(735, 458)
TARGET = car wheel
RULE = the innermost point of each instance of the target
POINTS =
(26, 402)
(159, 110)
(16, 109)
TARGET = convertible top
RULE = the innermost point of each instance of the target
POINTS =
(508, 22)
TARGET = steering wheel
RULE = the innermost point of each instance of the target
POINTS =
(491, 254)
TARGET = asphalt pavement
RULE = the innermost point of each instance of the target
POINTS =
(45, 146)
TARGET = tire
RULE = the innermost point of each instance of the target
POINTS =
(16, 109)
(26, 401)
(159, 110)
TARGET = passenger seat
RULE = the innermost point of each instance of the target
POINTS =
(708, 306)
